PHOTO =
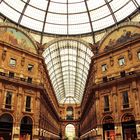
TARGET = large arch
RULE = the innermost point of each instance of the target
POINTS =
(26, 126)
(70, 131)
(108, 128)
(6, 126)
(128, 126)
(68, 61)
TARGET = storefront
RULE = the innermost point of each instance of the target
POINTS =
(6, 126)
(26, 128)
(129, 127)
(108, 128)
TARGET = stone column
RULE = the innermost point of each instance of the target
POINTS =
(16, 131)
(138, 129)
(118, 131)
(99, 132)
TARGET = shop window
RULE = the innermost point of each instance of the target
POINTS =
(8, 100)
(12, 62)
(104, 67)
(30, 67)
(122, 73)
(106, 103)
(11, 74)
(138, 54)
(121, 61)
(29, 80)
(105, 79)
(125, 99)
(28, 103)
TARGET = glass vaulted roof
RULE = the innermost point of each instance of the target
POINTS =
(67, 17)
(68, 65)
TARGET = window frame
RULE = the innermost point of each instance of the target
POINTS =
(125, 99)
(138, 55)
(7, 103)
(28, 104)
(32, 66)
(104, 67)
(119, 60)
(11, 63)
(106, 103)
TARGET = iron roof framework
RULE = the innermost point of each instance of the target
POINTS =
(67, 17)
(68, 64)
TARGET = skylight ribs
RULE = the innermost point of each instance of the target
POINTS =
(45, 17)
(111, 11)
(61, 67)
(69, 17)
(68, 69)
(136, 4)
(93, 36)
(23, 11)
(55, 72)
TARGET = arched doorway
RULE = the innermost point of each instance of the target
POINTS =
(70, 132)
(108, 128)
(6, 126)
(69, 113)
(26, 128)
(129, 127)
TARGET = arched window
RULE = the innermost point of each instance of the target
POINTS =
(70, 132)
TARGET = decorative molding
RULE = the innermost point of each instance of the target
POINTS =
(11, 87)
(28, 91)
(4, 52)
(23, 60)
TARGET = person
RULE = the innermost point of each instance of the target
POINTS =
(1, 138)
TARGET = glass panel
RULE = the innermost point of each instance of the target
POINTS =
(53, 29)
(121, 61)
(79, 28)
(99, 13)
(58, 8)
(67, 17)
(104, 67)
(125, 11)
(117, 4)
(31, 23)
(77, 7)
(62, 1)
(138, 54)
(8, 100)
(56, 18)
(70, 72)
(9, 12)
(78, 18)
(92, 4)
(28, 103)
(106, 103)
(34, 13)
(103, 23)
(12, 62)
(18, 4)
(41, 5)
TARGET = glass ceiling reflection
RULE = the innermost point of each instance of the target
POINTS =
(68, 17)
(68, 64)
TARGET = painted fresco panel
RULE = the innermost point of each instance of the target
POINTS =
(17, 38)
